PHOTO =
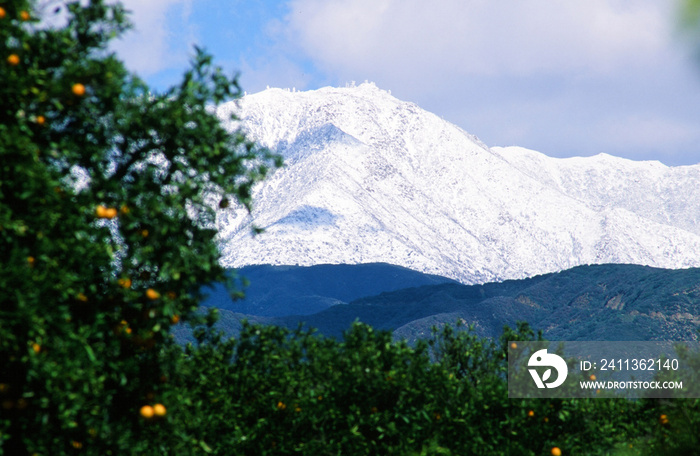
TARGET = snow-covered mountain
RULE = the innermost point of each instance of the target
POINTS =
(369, 178)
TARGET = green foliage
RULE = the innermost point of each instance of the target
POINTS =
(275, 391)
(106, 195)
(676, 427)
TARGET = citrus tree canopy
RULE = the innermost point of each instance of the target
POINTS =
(107, 193)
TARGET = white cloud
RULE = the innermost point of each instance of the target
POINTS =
(155, 44)
(479, 37)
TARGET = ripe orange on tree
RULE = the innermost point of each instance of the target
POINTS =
(159, 410)
(41, 120)
(2, 13)
(13, 59)
(152, 294)
(147, 411)
(78, 89)
(556, 451)
(24, 15)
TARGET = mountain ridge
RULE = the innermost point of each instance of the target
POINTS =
(369, 178)
(596, 302)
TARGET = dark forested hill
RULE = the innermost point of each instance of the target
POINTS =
(299, 290)
(597, 302)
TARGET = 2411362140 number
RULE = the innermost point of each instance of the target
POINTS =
(650, 364)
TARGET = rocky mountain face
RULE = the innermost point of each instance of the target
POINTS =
(370, 178)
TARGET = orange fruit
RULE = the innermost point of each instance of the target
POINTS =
(78, 89)
(175, 319)
(81, 297)
(24, 15)
(41, 120)
(513, 345)
(3, 13)
(77, 445)
(124, 283)
(13, 59)
(281, 405)
(124, 209)
(592, 377)
(144, 233)
(31, 260)
(556, 451)
(152, 294)
(159, 410)
(147, 411)
(531, 413)
(105, 212)
(36, 347)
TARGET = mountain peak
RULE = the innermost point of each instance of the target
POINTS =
(370, 178)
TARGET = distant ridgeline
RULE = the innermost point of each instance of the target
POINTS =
(369, 178)
(597, 302)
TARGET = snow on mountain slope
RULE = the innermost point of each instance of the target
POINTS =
(664, 194)
(369, 178)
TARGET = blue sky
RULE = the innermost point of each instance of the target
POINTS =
(562, 77)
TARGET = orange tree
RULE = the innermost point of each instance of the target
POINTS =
(106, 195)
(274, 391)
